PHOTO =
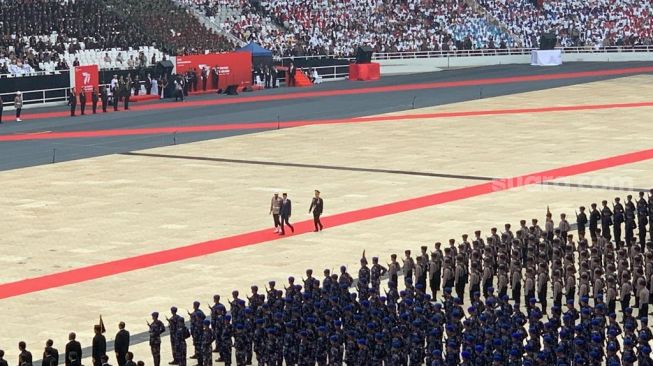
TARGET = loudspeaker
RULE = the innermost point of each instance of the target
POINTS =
(164, 67)
(364, 55)
(232, 90)
(548, 41)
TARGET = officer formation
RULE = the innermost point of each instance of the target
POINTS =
(538, 296)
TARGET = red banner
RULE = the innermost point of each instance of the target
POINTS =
(234, 68)
(87, 78)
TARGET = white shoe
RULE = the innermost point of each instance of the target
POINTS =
(276, 230)
(19, 120)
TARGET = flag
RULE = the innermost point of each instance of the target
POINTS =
(102, 328)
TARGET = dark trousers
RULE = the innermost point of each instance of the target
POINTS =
(617, 233)
(612, 306)
(115, 102)
(316, 221)
(127, 101)
(82, 108)
(516, 293)
(581, 230)
(18, 110)
(605, 231)
(277, 222)
(284, 221)
(643, 311)
(104, 105)
(94, 106)
(72, 110)
(0, 113)
(625, 302)
(541, 295)
(291, 80)
(204, 84)
(630, 226)
(558, 301)
(120, 357)
(593, 233)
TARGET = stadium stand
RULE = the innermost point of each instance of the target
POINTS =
(594, 23)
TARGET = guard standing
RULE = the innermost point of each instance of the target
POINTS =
(156, 329)
(82, 101)
(317, 206)
(94, 100)
(72, 102)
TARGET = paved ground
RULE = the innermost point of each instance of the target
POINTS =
(125, 234)
(30, 153)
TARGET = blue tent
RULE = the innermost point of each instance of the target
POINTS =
(256, 50)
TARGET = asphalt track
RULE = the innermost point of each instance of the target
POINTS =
(333, 100)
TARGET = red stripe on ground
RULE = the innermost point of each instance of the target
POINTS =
(262, 236)
(287, 124)
(379, 89)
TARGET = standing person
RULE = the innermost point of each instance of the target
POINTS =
(72, 101)
(94, 99)
(179, 90)
(285, 211)
(3, 362)
(317, 206)
(595, 217)
(215, 75)
(127, 90)
(292, 71)
(121, 344)
(267, 76)
(156, 329)
(581, 221)
(82, 103)
(205, 77)
(18, 105)
(72, 346)
(273, 76)
(275, 208)
(1, 108)
(148, 84)
(164, 86)
(104, 98)
(25, 356)
(50, 354)
(99, 348)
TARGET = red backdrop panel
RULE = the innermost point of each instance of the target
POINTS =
(234, 67)
(87, 78)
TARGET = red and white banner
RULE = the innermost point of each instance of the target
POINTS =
(234, 68)
(85, 77)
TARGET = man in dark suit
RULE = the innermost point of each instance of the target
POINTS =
(205, 77)
(104, 97)
(50, 354)
(1, 108)
(82, 101)
(99, 348)
(72, 102)
(94, 99)
(121, 344)
(73, 346)
(317, 205)
(25, 356)
(285, 212)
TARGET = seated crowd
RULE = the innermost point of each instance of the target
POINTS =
(45, 35)
(593, 23)
(474, 321)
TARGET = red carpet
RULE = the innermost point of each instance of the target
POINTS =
(380, 89)
(286, 124)
(263, 236)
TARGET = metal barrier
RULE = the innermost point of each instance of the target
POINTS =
(38, 96)
(35, 73)
(504, 52)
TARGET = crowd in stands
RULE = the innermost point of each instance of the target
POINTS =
(591, 23)
(495, 300)
(45, 35)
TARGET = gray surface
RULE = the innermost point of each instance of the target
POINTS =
(28, 153)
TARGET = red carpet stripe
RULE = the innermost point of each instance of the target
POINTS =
(286, 124)
(378, 89)
(119, 266)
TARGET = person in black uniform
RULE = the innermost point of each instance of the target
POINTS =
(121, 344)
(127, 90)
(618, 220)
(99, 348)
(72, 347)
(595, 217)
(50, 354)
(606, 220)
(72, 102)
(317, 206)
(629, 216)
(104, 97)
(82, 101)
(581, 221)
(25, 356)
(94, 100)
(1, 108)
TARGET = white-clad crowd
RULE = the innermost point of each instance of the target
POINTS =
(590, 23)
